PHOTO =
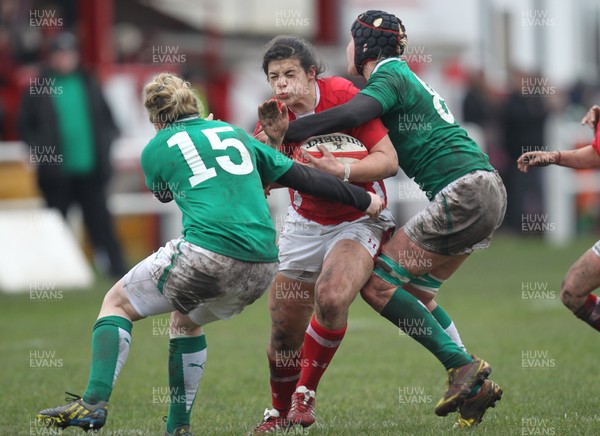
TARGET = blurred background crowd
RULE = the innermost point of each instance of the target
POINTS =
(519, 75)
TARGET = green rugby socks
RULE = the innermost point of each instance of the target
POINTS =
(406, 312)
(111, 339)
(442, 317)
(187, 357)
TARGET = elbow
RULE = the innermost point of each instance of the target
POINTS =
(393, 166)
(163, 196)
(164, 199)
(393, 172)
(393, 169)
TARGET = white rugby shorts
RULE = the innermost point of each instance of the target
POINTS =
(304, 244)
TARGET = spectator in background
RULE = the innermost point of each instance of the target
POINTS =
(480, 116)
(476, 105)
(524, 114)
(69, 128)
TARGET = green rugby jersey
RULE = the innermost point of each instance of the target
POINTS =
(214, 171)
(432, 148)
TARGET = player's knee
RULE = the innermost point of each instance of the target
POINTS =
(115, 297)
(330, 302)
(564, 293)
(282, 340)
(116, 302)
(376, 293)
(569, 293)
(287, 333)
(371, 294)
(182, 325)
(332, 292)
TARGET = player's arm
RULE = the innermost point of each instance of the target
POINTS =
(314, 182)
(355, 112)
(305, 179)
(583, 158)
(587, 157)
(381, 163)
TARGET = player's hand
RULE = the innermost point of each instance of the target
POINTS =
(328, 163)
(592, 117)
(537, 159)
(210, 117)
(267, 191)
(262, 137)
(273, 121)
(376, 206)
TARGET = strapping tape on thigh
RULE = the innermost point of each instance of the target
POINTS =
(427, 283)
(391, 271)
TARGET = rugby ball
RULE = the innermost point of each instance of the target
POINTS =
(344, 148)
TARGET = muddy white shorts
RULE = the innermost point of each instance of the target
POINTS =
(462, 217)
(197, 282)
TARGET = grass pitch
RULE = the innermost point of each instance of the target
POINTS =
(505, 302)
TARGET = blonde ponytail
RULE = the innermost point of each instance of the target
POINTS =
(168, 97)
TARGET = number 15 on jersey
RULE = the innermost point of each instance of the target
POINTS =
(199, 170)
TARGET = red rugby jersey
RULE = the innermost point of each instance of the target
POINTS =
(596, 141)
(334, 91)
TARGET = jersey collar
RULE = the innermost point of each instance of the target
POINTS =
(385, 61)
(192, 117)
